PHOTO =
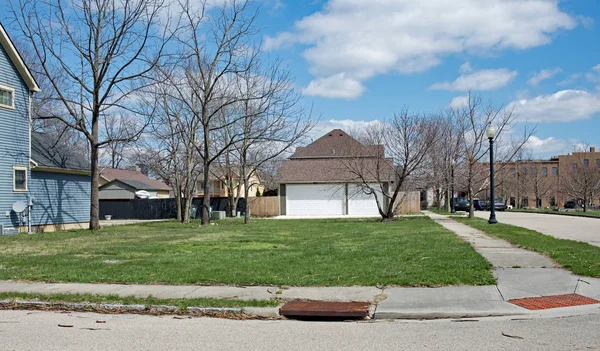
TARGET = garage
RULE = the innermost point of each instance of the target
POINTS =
(315, 199)
(361, 203)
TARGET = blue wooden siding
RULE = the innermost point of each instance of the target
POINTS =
(59, 198)
(14, 138)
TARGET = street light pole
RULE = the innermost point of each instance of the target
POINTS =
(491, 133)
(453, 210)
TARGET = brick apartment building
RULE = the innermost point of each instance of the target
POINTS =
(549, 183)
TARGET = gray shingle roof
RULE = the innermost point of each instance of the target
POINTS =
(336, 157)
(137, 184)
(336, 144)
(47, 153)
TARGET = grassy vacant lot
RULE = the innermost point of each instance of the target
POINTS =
(181, 304)
(581, 258)
(413, 251)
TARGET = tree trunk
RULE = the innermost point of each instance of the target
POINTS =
(94, 197)
(206, 197)
(188, 206)
(246, 193)
(471, 208)
(177, 194)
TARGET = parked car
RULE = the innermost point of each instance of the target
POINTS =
(461, 204)
(570, 204)
(481, 205)
(500, 204)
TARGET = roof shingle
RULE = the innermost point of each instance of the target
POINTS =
(47, 153)
(126, 176)
(336, 157)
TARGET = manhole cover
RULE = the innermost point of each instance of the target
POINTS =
(325, 309)
(546, 302)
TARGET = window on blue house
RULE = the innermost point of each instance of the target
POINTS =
(19, 178)
(7, 97)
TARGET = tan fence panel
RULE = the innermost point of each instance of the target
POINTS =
(266, 206)
(410, 202)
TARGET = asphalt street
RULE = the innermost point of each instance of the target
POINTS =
(40, 330)
(558, 226)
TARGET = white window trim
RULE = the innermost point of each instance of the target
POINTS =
(20, 168)
(12, 90)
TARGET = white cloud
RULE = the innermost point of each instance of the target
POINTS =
(465, 68)
(547, 146)
(543, 75)
(336, 86)
(563, 106)
(459, 101)
(488, 79)
(552, 146)
(596, 68)
(570, 79)
(365, 38)
(349, 126)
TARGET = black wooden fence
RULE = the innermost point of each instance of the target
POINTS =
(158, 208)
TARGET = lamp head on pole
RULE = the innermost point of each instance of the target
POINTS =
(491, 132)
(453, 162)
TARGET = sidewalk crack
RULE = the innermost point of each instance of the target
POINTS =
(500, 292)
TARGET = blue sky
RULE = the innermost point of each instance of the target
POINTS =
(360, 60)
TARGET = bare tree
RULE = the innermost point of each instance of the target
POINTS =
(272, 121)
(474, 119)
(580, 179)
(117, 128)
(214, 49)
(402, 145)
(444, 156)
(170, 146)
(95, 55)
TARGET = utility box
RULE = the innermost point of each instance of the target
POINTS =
(217, 215)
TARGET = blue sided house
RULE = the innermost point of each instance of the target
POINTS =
(36, 172)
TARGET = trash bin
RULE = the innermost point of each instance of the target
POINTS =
(193, 212)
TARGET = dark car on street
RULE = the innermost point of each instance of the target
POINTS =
(500, 204)
(481, 205)
(570, 204)
(461, 204)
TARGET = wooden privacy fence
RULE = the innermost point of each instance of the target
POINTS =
(265, 206)
(410, 202)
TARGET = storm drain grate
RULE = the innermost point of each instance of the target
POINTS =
(546, 302)
(325, 309)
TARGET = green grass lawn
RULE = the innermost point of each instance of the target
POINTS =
(580, 258)
(181, 304)
(337, 252)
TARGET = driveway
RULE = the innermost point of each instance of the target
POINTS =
(563, 227)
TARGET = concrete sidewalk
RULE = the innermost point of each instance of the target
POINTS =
(537, 276)
(519, 274)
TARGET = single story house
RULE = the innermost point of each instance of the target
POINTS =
(122, 184)
(324, 178)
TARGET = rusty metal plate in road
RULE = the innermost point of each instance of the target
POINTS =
(325, 309)
(555, 301)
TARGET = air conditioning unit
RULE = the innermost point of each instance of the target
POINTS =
(8, 231)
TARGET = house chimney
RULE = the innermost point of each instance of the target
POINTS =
(592, 149)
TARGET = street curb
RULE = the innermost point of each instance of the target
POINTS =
(557, 213)
(443, 315)
(258, 312)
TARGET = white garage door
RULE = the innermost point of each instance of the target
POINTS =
(314, 200)
(362, 204)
